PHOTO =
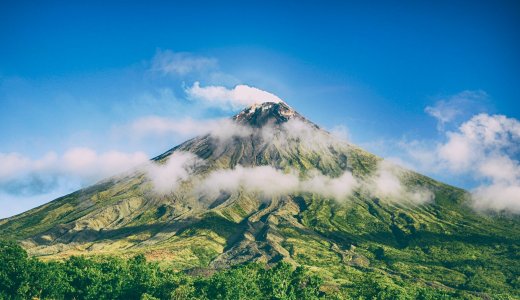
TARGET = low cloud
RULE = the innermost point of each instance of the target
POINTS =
(387, 184)
(166, 177)
(335, 187)
(15, 165)
(23, 175)
(268, 181)
(500, 197)
(265, 180)
(271, 182)
(230, 99)
(297, 130)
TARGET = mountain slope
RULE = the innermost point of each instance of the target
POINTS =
(293, 205)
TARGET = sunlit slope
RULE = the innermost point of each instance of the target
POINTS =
(442, 242)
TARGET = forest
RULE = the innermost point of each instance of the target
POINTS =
(109, 277)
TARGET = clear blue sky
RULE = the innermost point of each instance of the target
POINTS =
(72, 73)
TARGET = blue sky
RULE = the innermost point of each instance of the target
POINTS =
(401, 78)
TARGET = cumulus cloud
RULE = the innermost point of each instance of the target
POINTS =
(166, 177)
(478, 140)
(486, 148)
(180, 63)
(448, 109)
(494, 143)
(238, 97)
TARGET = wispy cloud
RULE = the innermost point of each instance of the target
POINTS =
(81, 164)
(238, 97)
(26, 182)
(271, 182)
(178, 167)
(168, 62)
(387, 184)
(265, 180)
(448, 109)
(155, 126)
(268, 181)
(340, 132)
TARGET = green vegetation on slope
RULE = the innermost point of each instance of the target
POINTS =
(135, 278)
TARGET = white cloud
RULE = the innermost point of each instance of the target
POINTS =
(238, 97)
(386, 184)
(492, 131)
(178, 167)
(22, 174)
(262, 179)
(500, 168)
(180, 63)
(186, 128)
(340, 132)
(271, 182)
(90, 165)
(338, 188)
(485, 148)
(15, 164)
(447, 110)
(297, 130)
(458, 153)
(501, 197)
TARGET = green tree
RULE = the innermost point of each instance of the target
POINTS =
(14, 275)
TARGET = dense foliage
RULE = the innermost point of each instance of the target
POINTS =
(22, 277)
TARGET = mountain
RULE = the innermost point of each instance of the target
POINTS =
(269, 185)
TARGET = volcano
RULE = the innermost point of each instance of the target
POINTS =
(268, 185)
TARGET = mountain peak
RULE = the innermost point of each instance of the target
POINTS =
(260, 114)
